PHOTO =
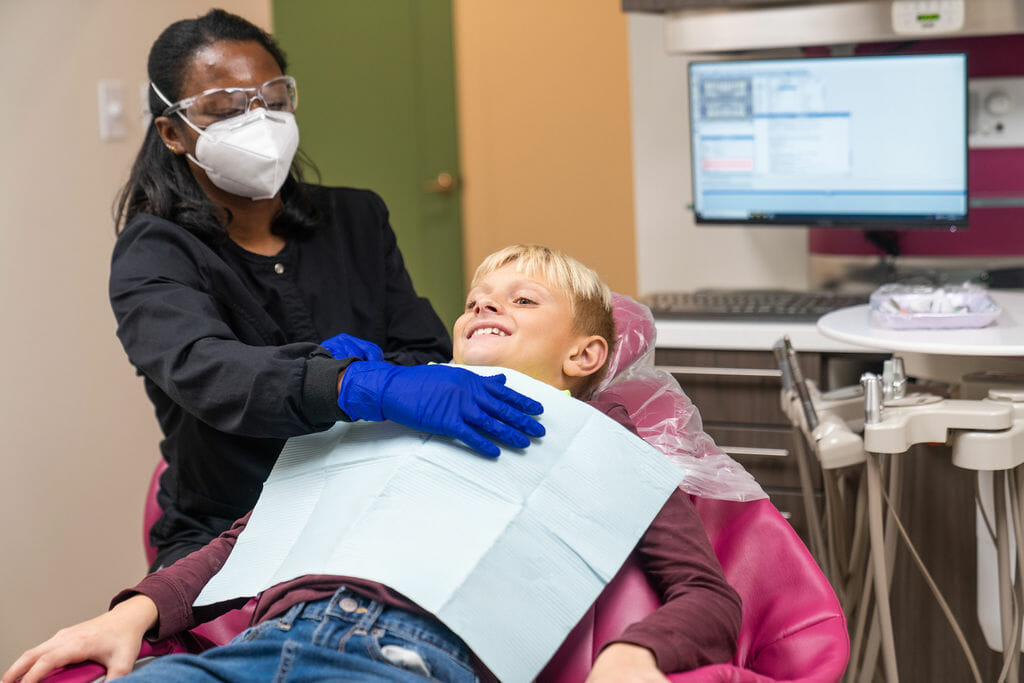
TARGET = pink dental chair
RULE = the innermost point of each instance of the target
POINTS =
(793, 628)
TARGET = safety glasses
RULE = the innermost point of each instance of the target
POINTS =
(217, 104)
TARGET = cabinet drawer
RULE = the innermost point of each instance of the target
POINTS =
(768, 453)
(740, 387)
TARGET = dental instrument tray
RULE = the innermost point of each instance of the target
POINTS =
(913, 307)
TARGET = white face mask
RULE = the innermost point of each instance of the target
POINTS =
(248, 155)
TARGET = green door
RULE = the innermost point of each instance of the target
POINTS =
(377, 110)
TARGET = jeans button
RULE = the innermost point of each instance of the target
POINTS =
(348, 604)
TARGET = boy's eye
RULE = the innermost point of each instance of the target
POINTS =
(523, 301)
(470, 305)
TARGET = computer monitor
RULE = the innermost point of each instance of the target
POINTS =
(876, 142)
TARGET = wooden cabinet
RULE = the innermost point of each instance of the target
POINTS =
(738, 395)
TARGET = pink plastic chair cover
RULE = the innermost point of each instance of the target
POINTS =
(663, 414)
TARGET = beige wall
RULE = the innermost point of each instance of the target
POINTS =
(544, 128)
(79, 437)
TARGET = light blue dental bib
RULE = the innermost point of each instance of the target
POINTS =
(509, 553)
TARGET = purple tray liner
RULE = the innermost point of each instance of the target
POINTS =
(981, 312)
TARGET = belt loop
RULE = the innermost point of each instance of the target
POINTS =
(333, 602)
(289, 617)
(368, 619)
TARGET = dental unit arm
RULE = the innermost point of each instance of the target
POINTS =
(994, 450)
(985, 434)
(924, 418)
(827, 420)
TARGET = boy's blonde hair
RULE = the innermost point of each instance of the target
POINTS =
(590, 300)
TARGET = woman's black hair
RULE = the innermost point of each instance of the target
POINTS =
(160, 182)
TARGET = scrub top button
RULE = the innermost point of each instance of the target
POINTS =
(279, 268)
(348, 604)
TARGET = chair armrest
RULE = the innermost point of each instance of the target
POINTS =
(816, 653)
(719, 673)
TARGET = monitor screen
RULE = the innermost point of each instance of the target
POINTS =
(877, 142)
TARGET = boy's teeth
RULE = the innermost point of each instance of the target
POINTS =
(489, 330)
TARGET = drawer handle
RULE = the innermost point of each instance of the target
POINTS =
(722, 372)
(748, 450)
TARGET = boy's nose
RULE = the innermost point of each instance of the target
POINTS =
(486, 305)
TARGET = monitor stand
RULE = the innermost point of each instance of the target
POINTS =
(889, 242)
(886, 240)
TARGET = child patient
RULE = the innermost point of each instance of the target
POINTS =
(530, 309)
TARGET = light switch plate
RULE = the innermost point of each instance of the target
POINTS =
(110, 97)
(145, 115)
(995, 112)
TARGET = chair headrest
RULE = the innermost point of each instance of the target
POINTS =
(634, 334)
(662, 413)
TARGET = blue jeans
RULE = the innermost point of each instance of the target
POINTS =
(344, 637)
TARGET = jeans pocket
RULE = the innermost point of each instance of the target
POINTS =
(406, 659)
(418, 657)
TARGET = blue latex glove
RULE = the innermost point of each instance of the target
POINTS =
(441, 399)
(346, 346)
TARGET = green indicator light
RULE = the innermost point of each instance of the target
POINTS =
(928, 17)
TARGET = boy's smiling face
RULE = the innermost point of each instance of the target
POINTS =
(516, 321)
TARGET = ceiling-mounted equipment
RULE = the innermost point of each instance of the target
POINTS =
(838, 22)
(922, 17)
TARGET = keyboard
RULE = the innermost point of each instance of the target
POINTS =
(763, 305)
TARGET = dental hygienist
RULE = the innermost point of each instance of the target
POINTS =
(257, 307)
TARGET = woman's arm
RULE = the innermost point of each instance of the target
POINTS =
(192, 327)
(415, 333)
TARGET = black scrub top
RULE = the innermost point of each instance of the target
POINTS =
(227, 342)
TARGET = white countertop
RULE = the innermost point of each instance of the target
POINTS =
(1005, 337)
(746, 335)
(945, 355)
(849, 330)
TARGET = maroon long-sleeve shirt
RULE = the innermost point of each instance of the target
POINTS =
(697, 624)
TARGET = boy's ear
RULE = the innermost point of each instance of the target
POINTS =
(586, 357)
